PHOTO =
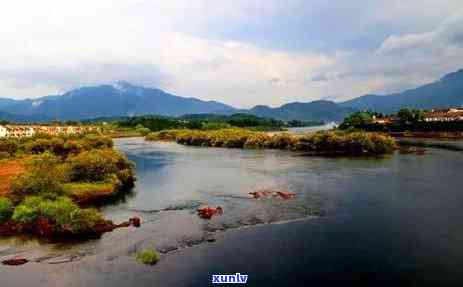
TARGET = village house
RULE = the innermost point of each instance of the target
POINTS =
(382, 120)
(19, 131)
(444, 115)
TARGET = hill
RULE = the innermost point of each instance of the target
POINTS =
(119, 99)
(446, 92)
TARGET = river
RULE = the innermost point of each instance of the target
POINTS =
(393, 220)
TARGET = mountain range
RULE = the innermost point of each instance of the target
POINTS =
(446, 92)
(125, 99)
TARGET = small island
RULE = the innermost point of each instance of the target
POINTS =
(319, 143)
(49, 183)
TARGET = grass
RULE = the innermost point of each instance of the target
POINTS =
(84, 192)
(148, 256)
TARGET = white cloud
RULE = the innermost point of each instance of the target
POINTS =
(50, 46)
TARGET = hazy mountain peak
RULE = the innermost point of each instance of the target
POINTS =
(455, 76)
(446, 92)
(123, 86)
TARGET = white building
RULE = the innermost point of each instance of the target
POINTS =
(19, 131)
(3, 132)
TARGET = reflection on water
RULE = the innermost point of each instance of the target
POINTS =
(403, 194)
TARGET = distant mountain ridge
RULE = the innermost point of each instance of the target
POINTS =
(446, 92)
(313, 111)
(124, 99)
(119, 99)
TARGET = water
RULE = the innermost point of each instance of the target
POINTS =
(391, 220)
(301, 130)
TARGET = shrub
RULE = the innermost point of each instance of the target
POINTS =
(97, 142)
(61, 211)
(44, 175)
(94, 165)
(85, 219)
(6, 209)
(257, 140)
(148, 256)
(281, 141)
(25, 214)
(9, 146)
(4, 155)
(31, 183)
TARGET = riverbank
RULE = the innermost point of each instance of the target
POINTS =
(428, 135)
(45, 178)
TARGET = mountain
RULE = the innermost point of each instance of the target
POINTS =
(125, 99)
(313, 111)
(119, 99)
(446, 92)
(23, 118)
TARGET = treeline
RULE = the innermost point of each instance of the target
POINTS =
(323, 143)
(60, 173)
(208, 122)
(404, 120)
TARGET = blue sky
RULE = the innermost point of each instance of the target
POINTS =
(239, 52)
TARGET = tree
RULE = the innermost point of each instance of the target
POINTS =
(356, 120)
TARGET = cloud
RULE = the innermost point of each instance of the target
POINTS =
(320, 78)
(242, 52)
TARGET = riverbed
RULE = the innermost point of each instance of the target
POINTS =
(387, 220)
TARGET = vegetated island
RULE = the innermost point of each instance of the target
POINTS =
(46, 180)
(320, 143)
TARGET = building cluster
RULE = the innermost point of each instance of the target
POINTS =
(446, 115)
(19, 131)
(437, 115)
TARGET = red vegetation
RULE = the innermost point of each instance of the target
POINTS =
(8, 171)
(208, 212)
(15, 261)
(45, 228)
(286, 194)
(259, 194)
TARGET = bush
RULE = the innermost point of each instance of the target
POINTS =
(24, 214)
(61, 211)
(9, 146)
(97, 142)
(257, 140)
(4, 155)
(85, 219)
(43, 176)
(6, 209)
(34, 183)
(94, 165)
(148, 256)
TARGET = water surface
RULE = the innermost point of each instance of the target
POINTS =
(394, 219)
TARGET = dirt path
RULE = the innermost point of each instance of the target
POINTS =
(8, 171)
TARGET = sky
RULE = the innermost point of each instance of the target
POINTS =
(241, 52)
